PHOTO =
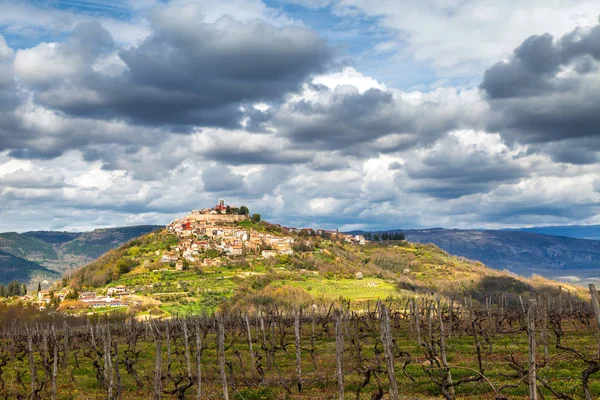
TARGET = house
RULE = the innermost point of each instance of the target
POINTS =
(87, 295)
(117, 291)
(166, 258)
(360, 239)
(235, 250)
(102, 301)
(269, 253)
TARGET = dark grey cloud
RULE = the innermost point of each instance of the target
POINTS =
(34, 179)
(264, 182)
(579, 151)
(549, 92)
(371, 122)
(535, 64)
(330, 161)
(453, 170)
(233, 154)
(219, 178)
(183, 76)
(9, 100)
(395, 166)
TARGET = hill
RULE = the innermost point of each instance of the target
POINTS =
(524, 253)
(17, 268)
(62, 251)
(323, 267)
(27, 247)
(591, 232)
(97, 242)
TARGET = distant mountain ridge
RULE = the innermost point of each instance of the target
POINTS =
(17, 268)
(52, 253)
(525, 253)
(591, 232)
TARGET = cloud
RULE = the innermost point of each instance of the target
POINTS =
(185, 73)
(6, 52)
(238, 100)
(244, 148)
(365, 122)
(438, 37)
(219, 178)
(34, 179)
(547, 92)
(8, 98)
(464, 163)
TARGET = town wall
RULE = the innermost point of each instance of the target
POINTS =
(219, 218)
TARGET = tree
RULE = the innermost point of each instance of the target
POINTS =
(228, 210)
(14, 289)
(23, 289)
(2, 291)
(72, 295)
(125, 265)
(256, 218)
(243, 210)
(39, 287)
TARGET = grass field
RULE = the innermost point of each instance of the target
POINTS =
(350, 289)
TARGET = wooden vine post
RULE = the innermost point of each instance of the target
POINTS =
(386, 339)
(532, 345)
(250, 349)
(448, 378)
(198, 361)
(297, 317)
(54, 365)
(596, 306)
(339, 352)
(221, 339)
(157, 364)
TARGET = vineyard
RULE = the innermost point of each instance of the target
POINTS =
(419, 347)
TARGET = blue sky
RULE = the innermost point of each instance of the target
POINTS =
(348, 114)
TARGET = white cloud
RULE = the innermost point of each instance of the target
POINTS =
(345, 150)
(6, 52)
(464, 37)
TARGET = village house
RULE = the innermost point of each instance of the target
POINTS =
(167, 258)
(117, 291)
(269, 253)
(104, 301)
(234, 250)
(87, 295)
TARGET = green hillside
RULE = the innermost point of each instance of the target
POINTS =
(97, 242)
(27, 247)
(61, 251)
(16, 268)
(319, 271)
(53, 237)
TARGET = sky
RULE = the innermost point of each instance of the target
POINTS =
(348, 114)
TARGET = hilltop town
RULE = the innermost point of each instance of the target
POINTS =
(222, 229)
(204, 240)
